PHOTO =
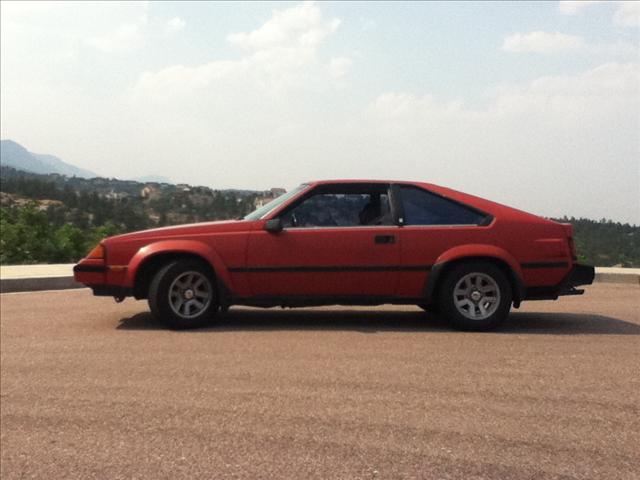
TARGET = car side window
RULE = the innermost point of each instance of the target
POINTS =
(425, 208)
(340, 210)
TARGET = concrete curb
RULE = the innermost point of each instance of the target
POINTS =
(33, 278)
(606, 277)
(34, 284)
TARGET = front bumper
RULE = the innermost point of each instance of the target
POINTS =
(90, 272)
(104, 280)
(83, 268)
(111, 291)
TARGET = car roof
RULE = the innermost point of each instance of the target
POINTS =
(358, 180)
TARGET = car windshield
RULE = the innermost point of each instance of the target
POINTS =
(276, 202)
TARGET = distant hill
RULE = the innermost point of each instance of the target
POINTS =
(153, 179)
(12, 154)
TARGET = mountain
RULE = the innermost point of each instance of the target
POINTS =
(12, 154)
(153, 179)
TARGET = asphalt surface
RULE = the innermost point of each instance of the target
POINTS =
(94, 389)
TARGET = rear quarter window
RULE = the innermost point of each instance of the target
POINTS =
(425, 208)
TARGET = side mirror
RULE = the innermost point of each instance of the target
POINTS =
(274, 225)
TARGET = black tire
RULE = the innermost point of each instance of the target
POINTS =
(166, 279)
(494, 313)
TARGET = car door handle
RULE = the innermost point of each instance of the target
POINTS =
(381, 239)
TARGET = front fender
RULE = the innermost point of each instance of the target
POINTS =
(192, 247)
(475, 251)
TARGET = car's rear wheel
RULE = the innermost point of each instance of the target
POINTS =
(183, 294)
(475, 296)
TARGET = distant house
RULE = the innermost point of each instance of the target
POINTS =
(113, 195)
(148, 191)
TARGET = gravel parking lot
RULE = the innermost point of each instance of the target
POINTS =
(93, 389)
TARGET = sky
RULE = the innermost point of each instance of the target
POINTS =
(536, 105)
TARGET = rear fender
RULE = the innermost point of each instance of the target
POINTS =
(472, 252)
(192, 247)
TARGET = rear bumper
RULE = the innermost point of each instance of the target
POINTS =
(578, 275)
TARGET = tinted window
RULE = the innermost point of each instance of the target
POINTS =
(340, 210)
(424, 208)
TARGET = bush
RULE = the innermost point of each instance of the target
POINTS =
(27, 236)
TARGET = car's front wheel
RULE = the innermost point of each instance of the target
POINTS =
(183, 295)
(475, 296)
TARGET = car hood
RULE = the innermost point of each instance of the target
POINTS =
(184, 230)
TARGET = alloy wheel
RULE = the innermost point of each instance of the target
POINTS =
(476, 296)
(190, 294)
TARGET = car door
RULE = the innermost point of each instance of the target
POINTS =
(334, 243)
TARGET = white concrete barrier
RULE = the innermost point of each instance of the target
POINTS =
(29, 278)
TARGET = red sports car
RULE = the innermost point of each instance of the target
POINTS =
(347, 242)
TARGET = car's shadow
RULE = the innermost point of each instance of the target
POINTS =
(372, 321)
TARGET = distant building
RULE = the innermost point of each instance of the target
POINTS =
(148, 191)
(113, 195)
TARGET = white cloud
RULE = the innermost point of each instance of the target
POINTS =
(367, 24)
(109, 27)
(299, 26)
(339, 66)
(281, 54)
(174, 25)
(617, 49)
(542, 42)
(627, 14)
(560, 43)
(132, 36)
(571, 7)
(125, 38)
(21, 8)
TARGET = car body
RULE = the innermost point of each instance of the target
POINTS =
(355, 242)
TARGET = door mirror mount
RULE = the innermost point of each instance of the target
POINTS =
(274, 225)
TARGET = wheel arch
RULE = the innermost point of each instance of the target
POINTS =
(494, 255)
(151, 258)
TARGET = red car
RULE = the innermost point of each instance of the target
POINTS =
(347, 242)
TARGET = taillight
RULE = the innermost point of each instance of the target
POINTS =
(572, 248)
(568, 231)
(97, 253)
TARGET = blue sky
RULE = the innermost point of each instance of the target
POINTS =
(535, 104)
